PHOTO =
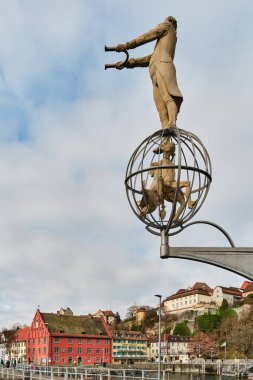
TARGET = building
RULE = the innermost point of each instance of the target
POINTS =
(245, 284)
(108, 316)
(153, 349)
(18, 346)
(174, 348)
(140, 314)
(61, 339)
(128, 347)
(66, 311)
(178, 348)
(196, 298)
(248, 289)
(232, 295)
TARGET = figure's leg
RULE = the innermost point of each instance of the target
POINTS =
(181, 201)
(171, 106)
(161, 107)
(187, 186)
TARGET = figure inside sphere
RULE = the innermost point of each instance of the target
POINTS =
(167, 95)
(164, 186)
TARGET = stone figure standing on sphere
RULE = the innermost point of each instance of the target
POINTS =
(167, 95)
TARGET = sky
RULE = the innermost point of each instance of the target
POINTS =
(68, 128)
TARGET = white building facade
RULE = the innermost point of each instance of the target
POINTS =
(231, 295)
(189, 299)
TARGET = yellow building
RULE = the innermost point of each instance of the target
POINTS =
(140, 315)
(128, 347)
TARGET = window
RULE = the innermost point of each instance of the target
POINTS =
(70, 350)
(56, 359)
(38, 340)
(56, 350)
(98, 359)
(33, 341)
(45, 340)
(98, 341)
(79, 351)
(80, 341)
(70, 360)
(98, 351)
(88, 350)
(107, 341)
(107, 350)
(33, 350)
(88, 341)
(70, 341)
(89, 359)
(56, 340)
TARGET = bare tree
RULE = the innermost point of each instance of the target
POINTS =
(241, 335)
(203, 345)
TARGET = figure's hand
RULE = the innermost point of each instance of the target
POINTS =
(120, 65)
(120, 48)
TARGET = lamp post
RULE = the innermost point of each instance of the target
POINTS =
(159, 342)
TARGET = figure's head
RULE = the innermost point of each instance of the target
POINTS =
(173, 21)
(167, 147)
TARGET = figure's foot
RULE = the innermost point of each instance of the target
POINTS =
(191, 204)
(169, 125)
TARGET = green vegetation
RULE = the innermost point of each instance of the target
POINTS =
(182, 329)
(208, 322)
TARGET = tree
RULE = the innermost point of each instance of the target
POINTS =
(117, 316)
(203, 345)
(241, 336)
(208, 322)
(224, 305)
(168, 322)
(182, 329)
(131, 311)
(150, 319)
(8, 337)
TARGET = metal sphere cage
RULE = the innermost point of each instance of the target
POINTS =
(191, 163)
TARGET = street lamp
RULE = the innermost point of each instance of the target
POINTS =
(159, 342)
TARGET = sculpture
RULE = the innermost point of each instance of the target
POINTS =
(164, 185)
(167, 95)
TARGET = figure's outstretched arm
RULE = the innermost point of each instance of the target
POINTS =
(153, 34)
(134, 62)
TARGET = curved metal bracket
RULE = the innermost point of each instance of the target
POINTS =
(235, 259)
(213, 225)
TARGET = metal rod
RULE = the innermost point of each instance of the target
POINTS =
(165, 249)
(159, 339)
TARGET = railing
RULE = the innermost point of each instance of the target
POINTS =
(31, 372)
(94, 373)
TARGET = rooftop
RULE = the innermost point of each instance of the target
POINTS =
(74, 324)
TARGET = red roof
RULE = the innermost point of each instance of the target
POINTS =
(245, 284)
(198, 288)
(202, 285)
(22, 334)
(233, 291)
(108, 313)
(249, 288)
